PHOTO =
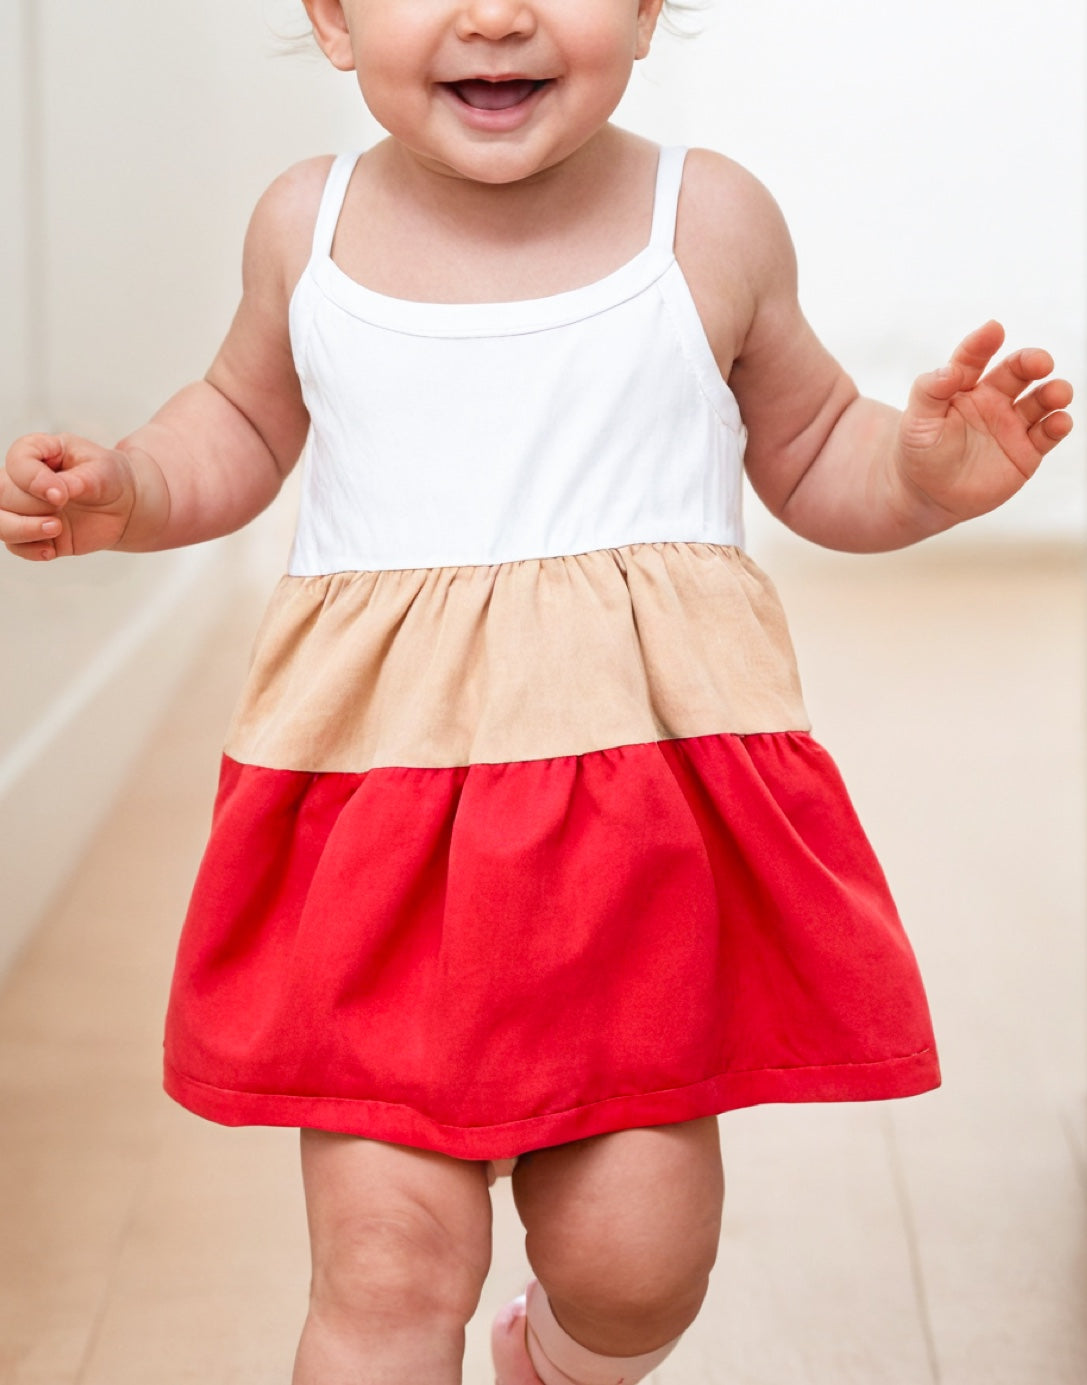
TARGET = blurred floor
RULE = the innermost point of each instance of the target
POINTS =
(938, 1240)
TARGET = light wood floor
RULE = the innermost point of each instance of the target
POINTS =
(936, 1240)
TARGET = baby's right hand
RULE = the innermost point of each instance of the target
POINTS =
(62, 495)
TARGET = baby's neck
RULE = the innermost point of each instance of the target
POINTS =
(546, 195)
(411, 232)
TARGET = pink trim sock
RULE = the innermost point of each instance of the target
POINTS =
(558, 1360)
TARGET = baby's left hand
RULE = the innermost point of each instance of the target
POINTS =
(967, 441)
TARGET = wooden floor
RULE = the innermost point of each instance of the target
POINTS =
(935, 1240)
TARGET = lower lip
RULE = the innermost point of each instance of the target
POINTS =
(496, 122)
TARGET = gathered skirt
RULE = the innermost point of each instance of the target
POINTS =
(511, 855)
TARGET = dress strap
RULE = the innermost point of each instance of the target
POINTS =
(666, 197)
(328, 214)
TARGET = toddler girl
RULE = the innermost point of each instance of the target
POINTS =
(522, 850)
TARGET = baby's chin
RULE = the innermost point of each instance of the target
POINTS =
(488, 167)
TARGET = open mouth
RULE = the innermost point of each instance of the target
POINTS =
(484, 95)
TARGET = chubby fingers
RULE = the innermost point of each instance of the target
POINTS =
(18, 530)
(36, 465)
(932, 393)
(1043, 414)
(1011, 377)
(27, 528)
(1041, 409)
(1049, 398)
(973, 354)
(31, 495)
(1020, 370)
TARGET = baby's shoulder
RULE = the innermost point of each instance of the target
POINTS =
(280, 234)
(297, 190)
(725, 208)
(733, 247)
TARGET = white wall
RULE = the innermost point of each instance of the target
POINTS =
(15, 342)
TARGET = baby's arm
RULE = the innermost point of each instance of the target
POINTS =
(215, 454)
(842, 470)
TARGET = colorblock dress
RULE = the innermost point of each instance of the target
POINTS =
(521, 836)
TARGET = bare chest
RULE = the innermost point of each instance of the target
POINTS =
(411, 258)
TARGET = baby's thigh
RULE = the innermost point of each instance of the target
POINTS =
(392, 1224)
(638, 1209)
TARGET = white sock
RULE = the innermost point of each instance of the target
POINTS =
(558, 1360)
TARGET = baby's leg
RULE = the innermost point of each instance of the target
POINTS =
(622, 1233)
(401, 1243)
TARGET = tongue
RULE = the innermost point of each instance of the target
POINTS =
(493, 96)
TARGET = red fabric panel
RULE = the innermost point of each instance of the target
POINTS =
(488, 959)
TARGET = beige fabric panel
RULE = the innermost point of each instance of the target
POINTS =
(434, 667)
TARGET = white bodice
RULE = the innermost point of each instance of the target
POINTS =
(477, 433)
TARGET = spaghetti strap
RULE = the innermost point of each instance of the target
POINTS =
(666, 197)
(328, 214)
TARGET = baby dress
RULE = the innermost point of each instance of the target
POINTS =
(520, 835)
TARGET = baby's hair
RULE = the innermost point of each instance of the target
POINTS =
(680, 16)
(291, 34)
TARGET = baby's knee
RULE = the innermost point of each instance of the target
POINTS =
(624, 1295)
(398, 1267)
(622, 1232)
(627, 1314)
